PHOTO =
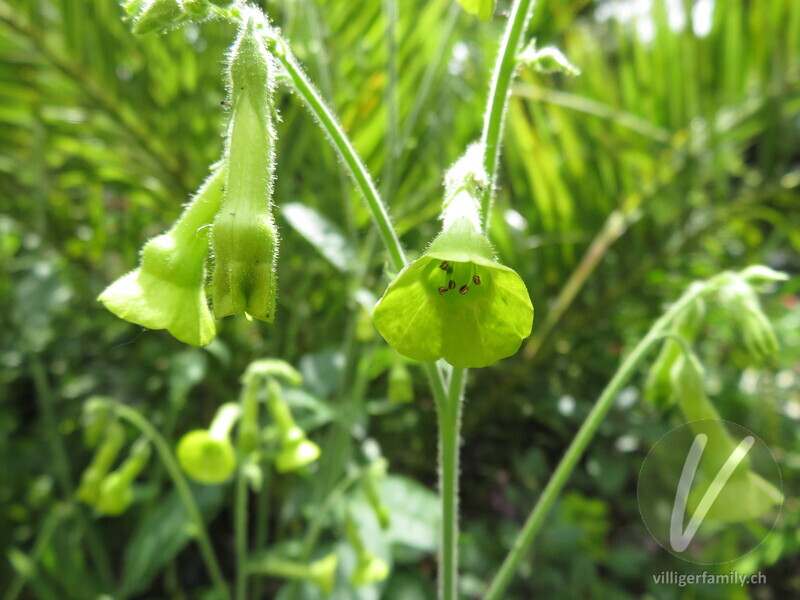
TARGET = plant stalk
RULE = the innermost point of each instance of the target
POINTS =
(182, 487)
(449, 416)
(604, 403)
(495, 115)
(343, 146)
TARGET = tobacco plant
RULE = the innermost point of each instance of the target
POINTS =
(454, 308)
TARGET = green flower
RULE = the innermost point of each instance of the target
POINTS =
(369, 569)
(167, 290)
(297, 451)
(207, 455)
(456, 302)
(245, 237)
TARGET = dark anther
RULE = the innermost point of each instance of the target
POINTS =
(476, 280)
(451, 285)
(444, 266)
(442, 290)
(463, 289)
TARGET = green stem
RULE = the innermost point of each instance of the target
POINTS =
(240, 533)
(344, 147)
(58, 450)
(494, 117)
(182, 487)
(582, 439)
(449, 416)
(51, 522)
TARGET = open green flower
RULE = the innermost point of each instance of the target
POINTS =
(167, 290)
(207, 455)
(456, 302)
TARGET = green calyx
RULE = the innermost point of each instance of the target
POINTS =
(245, 237)
(456, 302)
(167, 290)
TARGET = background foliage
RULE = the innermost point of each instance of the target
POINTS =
(674, 155)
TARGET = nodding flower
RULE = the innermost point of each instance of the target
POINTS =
(245, 237)
(167, 290)
(456, 301)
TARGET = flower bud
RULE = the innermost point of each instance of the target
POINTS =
(369, 569)
(321, 573)
(167, 290)
(207, 456)
(400, 387)
(658, 388)
(740, 301)
(89, 488)
(369, 483)
(116, 493)
(245, 237)
(296, 449)
(158, 15)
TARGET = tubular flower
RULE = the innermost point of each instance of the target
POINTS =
(166, 291)
(245, 237)
(456, 302)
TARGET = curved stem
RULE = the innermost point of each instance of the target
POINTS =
(494, 117)
(449, 416)
(582, 439)
(343, 146)
(182, 487)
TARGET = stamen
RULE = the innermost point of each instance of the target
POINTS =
(442, 290)
(463, 289)
(444, 266)
(476, 279)
(451, 285)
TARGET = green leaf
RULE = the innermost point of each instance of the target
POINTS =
(322, 234)
(161, 535)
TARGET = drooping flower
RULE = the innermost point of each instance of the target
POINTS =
(456, 302)
(167, 290)
(207, 455)
(245, 237)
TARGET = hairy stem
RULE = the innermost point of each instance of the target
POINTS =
(343, 146)
(604, 403)
(449, 416)
(182, 487)
(495, 115)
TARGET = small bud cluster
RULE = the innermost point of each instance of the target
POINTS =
(109, 492)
